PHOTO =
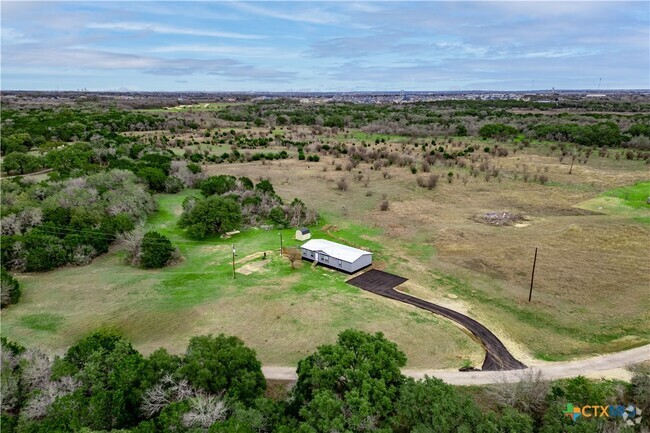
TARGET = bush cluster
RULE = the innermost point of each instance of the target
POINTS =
(54, 223)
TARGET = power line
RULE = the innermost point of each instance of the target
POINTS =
(58, 231)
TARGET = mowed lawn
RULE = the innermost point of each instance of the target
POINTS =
(283, 313)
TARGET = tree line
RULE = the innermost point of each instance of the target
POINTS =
(103, 383)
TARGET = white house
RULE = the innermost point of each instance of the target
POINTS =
(335, 255)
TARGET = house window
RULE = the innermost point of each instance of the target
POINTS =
(312, 254)
(340, 263)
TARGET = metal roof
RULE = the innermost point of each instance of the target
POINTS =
(304, 230)
(333, 249)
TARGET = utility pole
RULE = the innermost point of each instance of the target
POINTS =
(532, 277)
(233, 261)
(280, 243)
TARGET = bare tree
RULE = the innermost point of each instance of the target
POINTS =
(432, 181)
(131, 242)
(38, 405)
(36, 371)
(204, 411)
(528, 395)
(163, 393)
(573, 158)
(293, 254)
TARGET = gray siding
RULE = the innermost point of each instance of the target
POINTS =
(362, 262)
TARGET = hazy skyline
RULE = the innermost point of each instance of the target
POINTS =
(325, 46)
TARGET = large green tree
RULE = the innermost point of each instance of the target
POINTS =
(109, 372)
(224, 364)
(21, 163)
(351, 385)
(430, 405)
(212, 215)
(72, 158)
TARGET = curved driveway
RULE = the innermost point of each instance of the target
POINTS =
(497, 357)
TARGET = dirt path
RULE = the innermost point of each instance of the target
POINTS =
(46, 170)
(600, 366)
(497, 356)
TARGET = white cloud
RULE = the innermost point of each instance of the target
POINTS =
(157, 28)
(12, 36)
(84, 59)
(312, 16)
(229, 50)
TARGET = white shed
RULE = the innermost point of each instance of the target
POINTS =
(303, 234)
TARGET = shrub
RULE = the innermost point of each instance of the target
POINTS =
(156, 250)
(383, 206)
(173, 185)
(265, 186)
(154, 177)
(194, 168)
(43, 252)
(278, 216)
(432, 181)
(497, 130)
(342, 185)
(246, 182)
(9, 289)
(218, 185)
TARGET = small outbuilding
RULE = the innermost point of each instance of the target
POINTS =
(303, 234)
(335, 255)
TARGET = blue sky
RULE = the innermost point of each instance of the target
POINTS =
(325, 46)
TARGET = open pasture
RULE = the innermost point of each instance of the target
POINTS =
(590, 263)
(283, 313)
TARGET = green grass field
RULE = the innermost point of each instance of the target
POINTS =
(283, 313)
(630, 201)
